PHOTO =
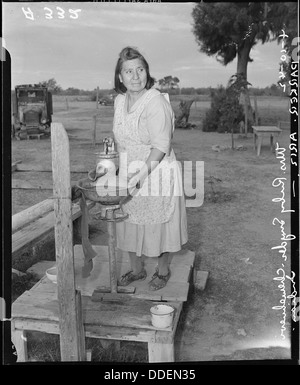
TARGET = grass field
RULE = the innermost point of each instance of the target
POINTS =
(271, 109)
(231, 233)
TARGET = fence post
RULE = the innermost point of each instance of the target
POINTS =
(94, 130)
(70, 317)
(256, 111)
(97, 98)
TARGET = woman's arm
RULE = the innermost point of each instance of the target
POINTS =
(137, 179)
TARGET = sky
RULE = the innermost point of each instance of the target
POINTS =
(81, 49)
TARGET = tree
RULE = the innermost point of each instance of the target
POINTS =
(230, 30)
(169, 82)
(72, 91)
(52, 85)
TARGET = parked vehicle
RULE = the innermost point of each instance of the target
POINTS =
(31, 110)
(107, 100)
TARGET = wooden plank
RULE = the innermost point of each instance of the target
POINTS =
(111, 314)
(80, 329)
(32, 213)
(34, 185)
(39, 168)
(266, 129)
(46, 286)
(101, 293)
(14, 166)
(158, 352)
(63, 229)
(183, 257)
(38, 229)
(200, 279)
(31, 185)
(32, 233)
(142, 293)
(37, 305)
(20, 342)
(93, 331)
(176, 289)
(128, 312)
(49, 327)
(120, 333)
(47, 313)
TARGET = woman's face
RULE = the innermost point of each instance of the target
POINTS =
(133, 75)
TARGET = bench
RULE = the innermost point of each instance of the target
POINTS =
(259, 132)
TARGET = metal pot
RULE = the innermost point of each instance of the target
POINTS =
(162, 316)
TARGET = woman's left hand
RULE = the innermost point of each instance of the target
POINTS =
(135, 182)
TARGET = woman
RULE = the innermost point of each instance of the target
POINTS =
(143, 128)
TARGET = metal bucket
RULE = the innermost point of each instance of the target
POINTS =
(162, 316)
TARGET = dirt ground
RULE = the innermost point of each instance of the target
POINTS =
(231, 233)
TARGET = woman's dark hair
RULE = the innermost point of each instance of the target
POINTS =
(130, 53)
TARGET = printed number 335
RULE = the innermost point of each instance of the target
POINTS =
(61, 13)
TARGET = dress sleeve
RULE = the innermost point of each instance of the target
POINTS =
(116, 101)
(160, 123)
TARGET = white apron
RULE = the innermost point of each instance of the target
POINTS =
(155, 201)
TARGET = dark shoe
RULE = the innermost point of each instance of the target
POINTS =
(159, 281)
(129, 277)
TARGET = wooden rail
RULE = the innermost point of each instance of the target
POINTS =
(29, 229)
(31, 214)
(18, 166)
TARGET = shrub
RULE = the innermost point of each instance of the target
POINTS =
(211, 119)
(226, 112)
(94, 96)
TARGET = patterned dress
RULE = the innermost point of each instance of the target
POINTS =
(157, 217)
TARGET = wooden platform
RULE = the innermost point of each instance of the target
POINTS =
(181, 265)
(126, 319)
(129, 319)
